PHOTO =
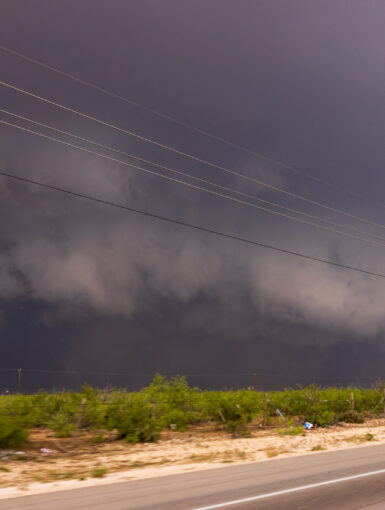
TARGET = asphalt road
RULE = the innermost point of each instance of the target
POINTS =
(311, 481)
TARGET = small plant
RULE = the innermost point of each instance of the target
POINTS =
(351, 416)
(61, 475)
(271, 451)
(321, 417)
(20, 456)
(234, 410)
(136, 419)
(369, 437)
(65, 431)
(97, 438)
(292, 430)
(4, 469)
(318, 448)
(238, 429)
(12, 432)
(98, 472)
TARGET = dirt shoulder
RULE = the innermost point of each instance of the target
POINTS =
(71, 464)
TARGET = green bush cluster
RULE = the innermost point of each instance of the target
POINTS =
(351, 416)
(12, 432)
(233, 409)
(170, 403)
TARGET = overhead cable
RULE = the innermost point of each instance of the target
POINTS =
(183, 124)
(190, 176)
(189, 225)
(192, 157)
(190, 185)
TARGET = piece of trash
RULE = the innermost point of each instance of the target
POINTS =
(19, 454)
(279, 413)
(308, 425)
(46, 451)
(172, 426)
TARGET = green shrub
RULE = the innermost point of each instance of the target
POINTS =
(135, 420)
(234, 410)
(97, 438)
(351, 416)
(176, 403)
(292, 430)
(12, 433)
(320, 417)
(98, 472)
(318, 448)
(171, 403)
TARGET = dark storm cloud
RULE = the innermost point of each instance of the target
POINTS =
(79, 256)
(298, 81)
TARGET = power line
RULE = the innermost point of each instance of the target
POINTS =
(189, 225)
(194, 158)
(164, 374)
(182, 123)
(185, 174)
(134, 374)
(193, 186)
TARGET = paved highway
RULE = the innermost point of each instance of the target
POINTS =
(344, 480)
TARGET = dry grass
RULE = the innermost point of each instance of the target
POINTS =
(53, 475)
(274, 451)
(359, 438)
(203, 457)
(175, 452)
(98, 472)
(223, 456)
(317, 448)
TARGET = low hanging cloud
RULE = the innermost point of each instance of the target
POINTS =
(327, 297)
(82, 258)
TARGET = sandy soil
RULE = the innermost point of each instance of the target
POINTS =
(201, 447)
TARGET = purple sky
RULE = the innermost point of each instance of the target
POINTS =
(85, 287)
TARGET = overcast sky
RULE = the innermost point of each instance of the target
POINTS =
(86, 287)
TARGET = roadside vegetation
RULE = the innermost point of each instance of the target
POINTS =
(169, 403)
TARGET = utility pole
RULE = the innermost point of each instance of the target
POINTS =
(384, 400)
(255, 382)
(352, 401)
(19, 372)
(265, 410)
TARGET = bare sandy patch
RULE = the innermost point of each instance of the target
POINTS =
(200, 447)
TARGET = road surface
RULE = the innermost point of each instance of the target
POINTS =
(344, 480)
